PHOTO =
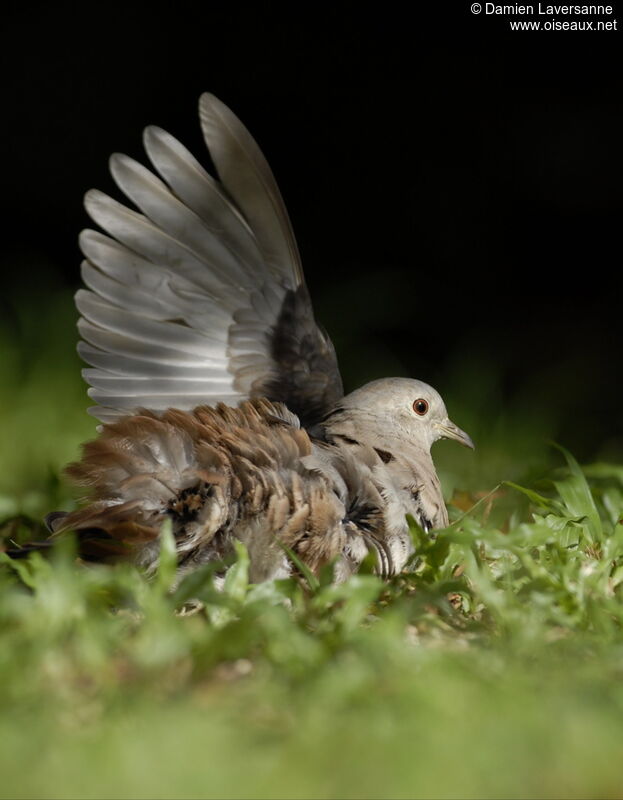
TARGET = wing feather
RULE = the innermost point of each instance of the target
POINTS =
(197, 296)
(138, 233)
(157, 402)
(118, 344)
(249, 180)
(201, 193)
(140, 327)
(115, 364)
(131, 386)
(175, 219)
(157, 306)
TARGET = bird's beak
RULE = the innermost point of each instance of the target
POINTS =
(448, 430)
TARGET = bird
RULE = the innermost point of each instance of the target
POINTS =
(220, 399)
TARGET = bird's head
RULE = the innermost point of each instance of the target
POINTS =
(403, 408)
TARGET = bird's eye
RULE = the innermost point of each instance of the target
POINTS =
(420, 407)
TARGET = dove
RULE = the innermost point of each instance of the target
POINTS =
(220, 397)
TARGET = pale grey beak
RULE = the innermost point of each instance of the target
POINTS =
(448, 430)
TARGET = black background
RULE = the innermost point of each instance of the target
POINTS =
(454, 186)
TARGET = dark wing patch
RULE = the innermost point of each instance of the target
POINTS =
(305, 374)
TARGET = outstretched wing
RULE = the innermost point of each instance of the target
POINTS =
(201, 297)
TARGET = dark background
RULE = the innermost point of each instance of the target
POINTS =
(454, 186)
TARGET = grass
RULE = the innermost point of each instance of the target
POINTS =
(492, 669)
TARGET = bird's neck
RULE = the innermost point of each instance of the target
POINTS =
(407, 473)
(361, 427)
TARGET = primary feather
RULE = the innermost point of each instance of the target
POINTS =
(249, 180)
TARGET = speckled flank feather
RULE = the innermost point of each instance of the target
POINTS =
(220, 473)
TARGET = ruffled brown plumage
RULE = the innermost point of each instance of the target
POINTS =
(218, 474)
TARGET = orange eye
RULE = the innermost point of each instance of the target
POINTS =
(420, 407)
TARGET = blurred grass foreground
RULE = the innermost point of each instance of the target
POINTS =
(492, 669)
